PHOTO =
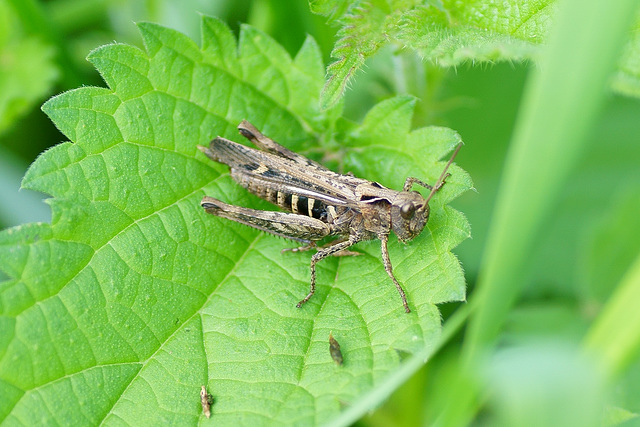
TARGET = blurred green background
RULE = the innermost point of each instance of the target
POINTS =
(585, 247)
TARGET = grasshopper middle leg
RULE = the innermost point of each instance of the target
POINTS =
(321, 254)
(384, 239)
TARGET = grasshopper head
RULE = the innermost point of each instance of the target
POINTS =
(409, 210)
(409, 214)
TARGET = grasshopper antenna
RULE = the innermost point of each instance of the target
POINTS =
(444, 174)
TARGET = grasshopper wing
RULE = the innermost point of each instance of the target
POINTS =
(263, 169)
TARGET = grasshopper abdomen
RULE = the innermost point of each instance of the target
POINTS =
(291, 202)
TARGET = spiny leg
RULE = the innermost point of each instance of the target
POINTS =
(304, 248)
(283, 224)
(313, 245)
(408, 183)
(321, 254)
(345, 252)
(384, 239)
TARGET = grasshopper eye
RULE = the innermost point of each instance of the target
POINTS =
(407, 211)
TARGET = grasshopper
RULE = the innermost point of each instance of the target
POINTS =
(320, 202)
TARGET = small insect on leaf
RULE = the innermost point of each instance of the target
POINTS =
(206, 400)
(334, 350)
(319, 202)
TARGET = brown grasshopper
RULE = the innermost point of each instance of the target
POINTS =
(322, 202)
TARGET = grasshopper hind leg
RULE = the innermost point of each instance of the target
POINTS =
(313, 245)
(287, 225)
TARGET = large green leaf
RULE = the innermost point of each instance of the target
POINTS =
(133, 298)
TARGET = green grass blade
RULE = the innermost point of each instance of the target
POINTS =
(560, 105)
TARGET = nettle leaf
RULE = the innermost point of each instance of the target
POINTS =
(384, 145)
(330, 8)
(477, 31)
(133, 298)
(449, 33)
(365, 27)
(445, 32)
